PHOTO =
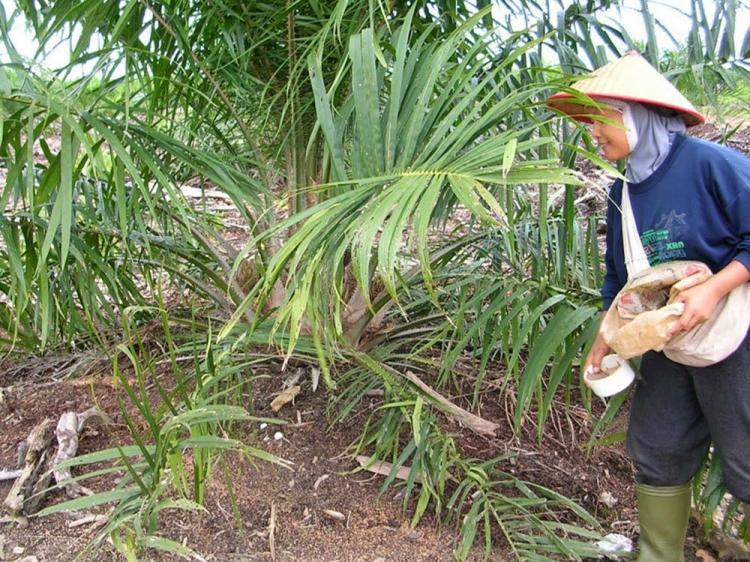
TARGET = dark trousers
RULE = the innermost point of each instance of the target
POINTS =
(677, 411)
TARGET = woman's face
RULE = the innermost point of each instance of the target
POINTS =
(610, 135)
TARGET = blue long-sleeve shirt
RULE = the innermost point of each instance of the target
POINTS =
(695, 206)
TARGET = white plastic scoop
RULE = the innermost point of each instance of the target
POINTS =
(614, 376)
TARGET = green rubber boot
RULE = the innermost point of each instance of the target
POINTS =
(664, 512)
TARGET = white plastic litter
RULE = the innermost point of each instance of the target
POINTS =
(614, 544)
(278, 436)
(608, 499)
(264, 425)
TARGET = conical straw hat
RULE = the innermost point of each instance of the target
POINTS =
(629, 78)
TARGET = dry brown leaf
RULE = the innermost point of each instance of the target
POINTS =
(704, 556)
(337, 515)
(384, 468)
(285, 397)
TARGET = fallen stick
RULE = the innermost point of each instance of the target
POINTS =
(384, 468)
(86, 519)
(475, 423)
(272, 531)
(320, 480)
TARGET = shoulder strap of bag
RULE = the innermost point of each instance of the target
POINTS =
(635, 256)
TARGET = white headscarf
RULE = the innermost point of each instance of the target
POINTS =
(655, 133)
(650, 135)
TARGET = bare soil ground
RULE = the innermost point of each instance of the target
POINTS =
(375, 527)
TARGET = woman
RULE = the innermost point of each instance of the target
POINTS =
(691, 200)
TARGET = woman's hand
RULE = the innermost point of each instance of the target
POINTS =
(700, 302)
(597, 353)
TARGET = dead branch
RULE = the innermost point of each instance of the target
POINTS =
(38, 465)
(473, 422)
(35, 469)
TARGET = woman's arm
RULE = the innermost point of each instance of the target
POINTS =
(730, 184)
